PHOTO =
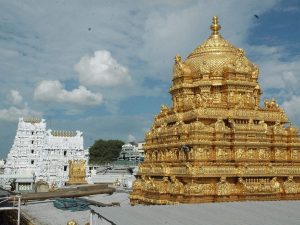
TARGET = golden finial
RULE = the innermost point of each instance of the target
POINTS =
(215, 27)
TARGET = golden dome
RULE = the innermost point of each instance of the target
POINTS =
(216, 55)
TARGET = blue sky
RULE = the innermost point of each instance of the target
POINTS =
(104, 67)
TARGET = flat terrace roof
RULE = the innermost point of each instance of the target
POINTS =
(231, 213)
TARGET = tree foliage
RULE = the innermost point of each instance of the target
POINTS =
(103, 151)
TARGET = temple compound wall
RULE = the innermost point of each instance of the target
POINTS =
(216, 142)
(43, 155)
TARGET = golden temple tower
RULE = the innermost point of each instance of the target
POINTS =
(216, 143)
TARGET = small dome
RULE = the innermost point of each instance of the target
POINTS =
(217, 55)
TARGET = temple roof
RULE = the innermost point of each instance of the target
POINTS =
(214, 54)
(215, 43)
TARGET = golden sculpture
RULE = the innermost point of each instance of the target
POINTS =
(32, 120)
(72, 222)
(77, 172)
(216, 143)
(62, 133)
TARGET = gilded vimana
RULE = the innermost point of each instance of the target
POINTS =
(216, 143)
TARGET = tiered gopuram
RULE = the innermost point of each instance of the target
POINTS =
(216, 143)
(39, 155)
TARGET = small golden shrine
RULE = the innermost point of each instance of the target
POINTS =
(77, 172)
(216, 143)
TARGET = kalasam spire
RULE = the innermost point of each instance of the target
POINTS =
(215, 27)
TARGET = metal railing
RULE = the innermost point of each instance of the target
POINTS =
(15, 206)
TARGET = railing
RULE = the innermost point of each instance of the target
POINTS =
(95, 219)
(14, 207)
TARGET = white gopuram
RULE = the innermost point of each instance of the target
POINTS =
(42, 155)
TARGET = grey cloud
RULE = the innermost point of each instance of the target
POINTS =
(14, 97)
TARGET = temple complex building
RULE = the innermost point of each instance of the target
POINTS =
(132, 152)
(44, 155)
(216, 142)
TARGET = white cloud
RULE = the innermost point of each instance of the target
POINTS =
(14, 97)
(279, 74)
(180, 30)
(102, 70)
(279, 78)
(53, 91)
(292, 108)
(131, 138)
(8, 53)
(290, 9)
(13, 113)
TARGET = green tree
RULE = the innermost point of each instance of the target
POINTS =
(105, 151)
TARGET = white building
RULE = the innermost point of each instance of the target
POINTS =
(132, 152)
(42, 155)
(140, 147)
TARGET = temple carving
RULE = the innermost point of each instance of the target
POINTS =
(77, 172)
(217, 143)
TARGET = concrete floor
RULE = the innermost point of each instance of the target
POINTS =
(233, 213)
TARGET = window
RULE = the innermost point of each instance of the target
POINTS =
(65, 168)
(32, 142)
(65, 153)
(31, 132)
(32, 151)
(32, 162)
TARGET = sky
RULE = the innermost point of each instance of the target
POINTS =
(104, 67)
